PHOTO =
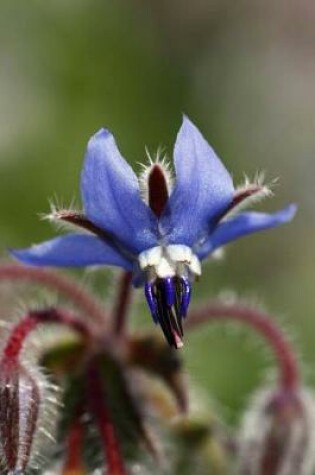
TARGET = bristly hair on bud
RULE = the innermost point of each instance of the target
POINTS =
(27, 417)
(278, 433)
(28, 401)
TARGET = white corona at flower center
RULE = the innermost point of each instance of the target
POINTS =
(168, 261)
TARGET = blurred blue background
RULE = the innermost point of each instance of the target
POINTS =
(243, 71)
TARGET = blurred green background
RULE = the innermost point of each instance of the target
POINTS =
(243, 71)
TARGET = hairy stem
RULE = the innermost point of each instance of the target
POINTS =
(63, 285)
(122, 303)
(73, 463)
(263, 324)
(102, 417)
(22, 330)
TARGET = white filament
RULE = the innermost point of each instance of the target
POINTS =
(168, 261)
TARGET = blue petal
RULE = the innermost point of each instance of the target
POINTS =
(203, 187)
(111, 196)
(72, 250)
(243, 224)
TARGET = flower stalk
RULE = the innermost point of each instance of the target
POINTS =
(57, 282)
(122, 303)
(263, 324)
(22, 330)
(74, 464)
(102, 416)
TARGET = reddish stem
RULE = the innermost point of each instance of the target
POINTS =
(22, 330)
(260, 322)
(100, 410)
(73, 463)
(122, 303)
(60, 283)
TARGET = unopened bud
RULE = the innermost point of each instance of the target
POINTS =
(21, 408)
(278, 434)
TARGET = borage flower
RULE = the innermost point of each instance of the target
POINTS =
(158, 230)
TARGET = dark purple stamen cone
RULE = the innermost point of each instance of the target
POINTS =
(186, 294)
(150, 296)
(19, 408)
(169, 290)
(168, 300)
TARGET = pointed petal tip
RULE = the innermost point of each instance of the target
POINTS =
(72, 250)
(110, 189)
(190, 128)
(244, 224)
(102, 133)
(30, 255)
(285, 215)
(203, 187)
(289, 212)
(185, 117)
(21, 255)
(187, 123)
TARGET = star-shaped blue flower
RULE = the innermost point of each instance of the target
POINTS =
(158, 230)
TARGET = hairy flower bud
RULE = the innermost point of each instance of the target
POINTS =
(22, 404)
(278, 434)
